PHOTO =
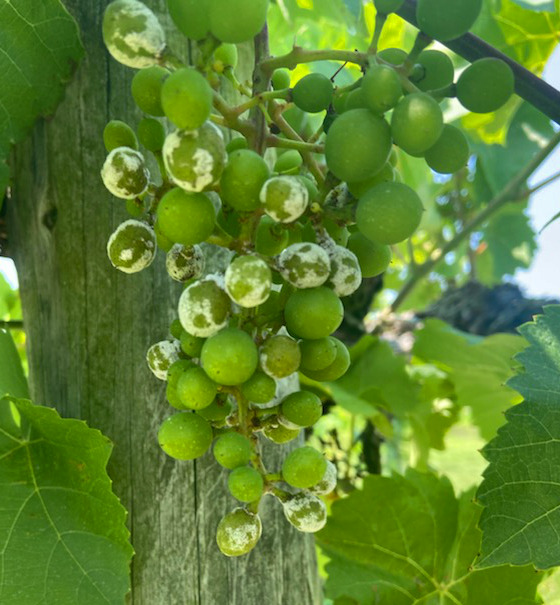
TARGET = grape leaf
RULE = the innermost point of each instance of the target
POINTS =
(521, 487)
(39, 49)
(12, 378)
(57, 507)
(408, 540)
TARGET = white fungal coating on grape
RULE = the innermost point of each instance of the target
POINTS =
(204, 307)
(346, 274)
(132, 34)
(285, 198)
(304, 265)
(132, 246)
(124, 173)
(161, 356)
(238, 532)
(306, 512)
(328, 482)
(185, 262)
(248, 281)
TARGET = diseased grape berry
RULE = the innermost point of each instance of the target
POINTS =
(304, 265)
(246, 484)
(328, 482)
(248, 281)
(132, 33)
(236, 21)
(278, 433)
(304, 467)
(260, 388)
(242, 180)
(119, 134)
(185, 262)
(313, 93)
(151, 134)
(161, 356)
(417, 123)
(485, 85)
(146, 89)
(447, 19)
(124, 173)
(336, 369)
(238, 532)
(190, 345)
(190, 17)
(374, 258)
(346, 275)
(280, 356)
(284, 198)
(313, 313)
(300, 409)
(450, 153)
(381, 88)
(185, 436)
(132, 246)
(186, 98)
(281, 79)
(204, 308)
(306, 512)
(195, 390)
(229, 357)
(232, 450)
(317, 354)
(436, 72)
(388, 6)
(389, 213)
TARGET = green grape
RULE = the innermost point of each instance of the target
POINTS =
(295, 234)
(195, 390)
(382, 88)
(161, 356)
(270, 311)
(310, 185)
(132, 246)
(238, 532)
(450, 153)
(394, 158)
(146, 89)
(277, 433)
(328, 482)
(176, 370)
(304, 265)
(151, 134)
(163, 242)
(226, 55)
(336, 369)
(356, 99)
(242, 180)
(437, 70)
(357, 129)
(124, 173)
(236, 144)
(300, 409)
(172, 397)
(374, 258)
(217, 411)
(317, 354)
(186, 98)
(271, 237)
(186, 218)
(176, 329)
(284, 198)
(119, 134)
(280, 356)
(132, 34)
(230, 357)
(289, 162)
(260, 388)
(232, 450)
(313, 313)
(204, 308)
(246, 484)
(339, 101)
(485, 85)
(230, 221)
(394, 56)
(297, 119)
(281, 79)
(339, 233)
(417, 123)
(389, 213)
(190, 345)
(385, 175)
(304, 467)
(190, 17)
(346, 275)
(313, 93)
(185, 436)
(387, 6)
(248, 281)
(135, 207)
(195, 159)
(447, 19)
(306, 512)
(185, 262)
(236, 21)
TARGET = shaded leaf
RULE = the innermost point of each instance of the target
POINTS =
(12, 378)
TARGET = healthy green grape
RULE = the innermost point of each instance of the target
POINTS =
(447, 19)
(190, 17)
(388, 6)
(190, 345)
(217, 411)
(450, 153)
(338, 232)
(195, 390)
(185, 436)
(238, 532)
(389, 213)
(417, 123)
(132, 246)
(394, 56)
(248, 281)
(176, 329)
(246, 484)
(385, 175)
(161, 356)
(374, 258)
(346, 275)
(317, 354)
(163, 242)
(271, 237)
(226, 56)
(313, 313)
(232, 450)
(204, 308)
(260, 388)
(146, 89)
(356, 99)
(242, 180)
(151, 134)
(313, 93)
(328, 482)
(278, 433)
(306, 512)
(304, 265)
(135, 208)
(186, 98)
(284, 198)
(382, 88)
(185, 262)
(177, 369)
(304, 467)
(236, 21)
(339, 101)
(119, 134)
(229, 357)
(300, 409)
(336, 369)
(124, 173)
(357, 129)
(280, 356)
(237, 143)
(281, 79)
(186, 218)
(310, 185)
(485, 85)
(436, 72)
(289, 162)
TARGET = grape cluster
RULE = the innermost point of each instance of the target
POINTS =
(296, 235)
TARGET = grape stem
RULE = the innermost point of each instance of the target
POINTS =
(510, 193)
(260, 98)
(300, 55)
(380, 20)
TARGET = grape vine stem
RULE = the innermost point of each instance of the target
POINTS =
(300, 55)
